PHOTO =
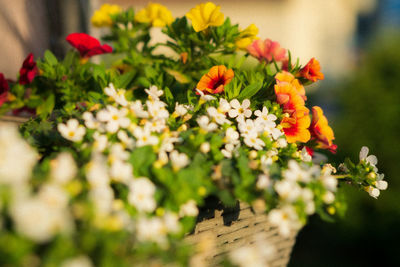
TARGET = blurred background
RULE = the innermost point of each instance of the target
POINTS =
(358, 45)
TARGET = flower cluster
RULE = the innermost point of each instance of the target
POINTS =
(126, 154)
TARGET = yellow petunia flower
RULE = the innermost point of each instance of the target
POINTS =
(205, 15)
(102, 17)
(156, 14)
(247, 36)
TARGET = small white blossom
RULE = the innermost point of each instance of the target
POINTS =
(126, 140)
(328, 197)
(114, 118)
(157, 109)
(240, 111)
(305, 156)
(371, 159)
(231, 136)
(63, 168)
(249, 127)
(288, 190)
(205, 147)
(189, 209)
(204, 123)
(90, 121)
(178, 160)
(100, 142)
(141, 194)
(121, 171)
(117, 95)
(144, 137)
(72, 130)
(180, 110)
(151, 229)
(372, 191)
(205, 97)
(286, 219)
(263, 181)
(138, 110)
(252, 140)
(154, 93)
(219, 117)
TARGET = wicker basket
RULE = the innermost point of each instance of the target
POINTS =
(6, 119)
(235, 227)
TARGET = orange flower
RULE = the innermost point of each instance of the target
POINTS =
(214, 81)
(267, 50)
(312, 71)
(290, 101)
(285, 76)
(321, 131)
(296, 129)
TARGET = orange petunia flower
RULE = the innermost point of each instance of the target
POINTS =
(214, 81)
(321, 131)
(290, 101)
(285, 76)
(296, 129)
(312, 71)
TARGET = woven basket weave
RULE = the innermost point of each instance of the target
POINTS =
(12, 120)
(236, 227)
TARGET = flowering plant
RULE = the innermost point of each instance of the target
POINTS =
(122, 156)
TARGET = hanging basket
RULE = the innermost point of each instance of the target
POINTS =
(236, 227)
(16, 120)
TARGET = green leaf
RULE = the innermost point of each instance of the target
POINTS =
(46, 107)
(142, 158)
(125, 79)
(250, 90)
(168, 96)
(50, 58)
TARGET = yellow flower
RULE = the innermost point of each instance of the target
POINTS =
(102, 18)
(205, 15)
(156, 14)
(247, 36)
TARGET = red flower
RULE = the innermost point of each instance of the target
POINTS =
(87, 45)
(321, 131)
(267, 50)
(28, 70)
(312, 71)
(3, 89)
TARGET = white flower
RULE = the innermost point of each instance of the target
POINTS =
(224, 106)
(204, 123)
(171, 222)
(103, 198)
(38, 220)
(157, 109)
(372, 191)
(91, 122)
(219, 117)
(249, 127)
(288, 190)
(231, 136)
(114, 118)
(17, 158)
(126, 140)
(79, 261)
(263, 181)
(286, 219)
(138, 110)
(205, 147)
(371, 159)
(252, 140)
(154, 93)
(121, 171)
(178, 160)
(97, 172)
(189, 209)
(151, 229)
(228, 150)
(63, 168)
(296, 173)
(100, 142)
(305, 156)
(380, 184)
(240, 111)
(72, 130)
(118, 152)
(156, 125)
(180, 110)
(144, 137)
(117, 95)
(141, 194)
(204, 97)
(54, 196)
(167, 144)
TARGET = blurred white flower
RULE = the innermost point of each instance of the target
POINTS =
(127, 141)
(137, 108)
(151, 229)
(90, 121)
(189, 209)
(141, 194)
(121, 171)
(204, 123)
(252, 140)
(17, 158)
(154, 93)
(231, 136)
(178, 160)
(117, 95)
(205, 97)
(219, 117)
(102, 198)
(100, 142)
(63, 168)
(79, 261)
(72, 130)
(288, 190)
(205, 147)
(263, 181)
(286, 219)
(157, 109)
(144, 137)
